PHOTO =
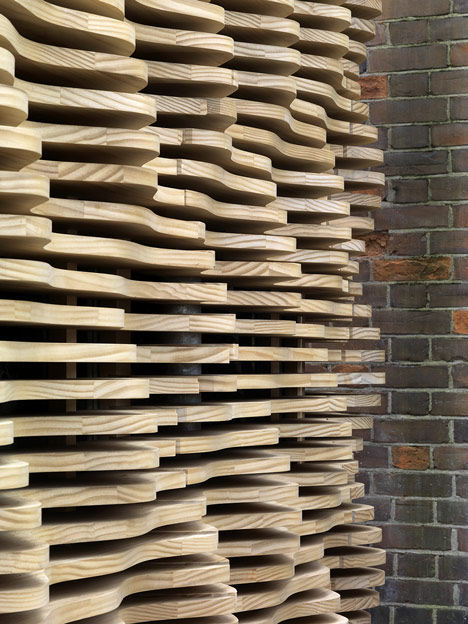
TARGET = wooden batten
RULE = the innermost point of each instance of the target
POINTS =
(182, 186)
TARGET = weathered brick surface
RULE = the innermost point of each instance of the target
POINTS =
(374, 87)
(408, 57)
(460, 321)
(397, 9)
(449, 82)
(459, 54)
(459, 108)
(403, 85)
(402, 32)
(413, 564)
(416, 274)
(413, 137)
(412, 269)
(411, 457)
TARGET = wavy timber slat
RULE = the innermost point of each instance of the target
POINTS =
(181, 187)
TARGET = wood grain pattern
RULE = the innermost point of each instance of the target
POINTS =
(181, 343)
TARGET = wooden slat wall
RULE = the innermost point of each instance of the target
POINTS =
(182, 185)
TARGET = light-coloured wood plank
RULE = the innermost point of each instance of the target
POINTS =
(183, 184)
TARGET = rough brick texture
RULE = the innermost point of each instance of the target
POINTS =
(416, 278)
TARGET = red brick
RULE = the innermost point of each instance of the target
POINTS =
(425, 431)
(412, 615)
(448, 295)
(409, 137)
(446, 188)
(416, 162)
(452, 512)
(373, 87)
(420, 322)
(453, 567)
(404, 217)
(460, 216)
(416, 537)
(460, 268)
(410, 110)
(416, 565)
(380, 35)
(414, 269)
(449, 403)
(459, 54)
(409, 191)
(410, 404)
(411, 57)
(402, 8)
(451, 458)
(460, 431)
(411, 349)
(460, 375)
(376, 243)
(422, 484)
(463, 596)
(460, 321)
(450, 349)
(417, 511)
(374, 456)
(382, 506)
(408, 295)
(382, 141)
(377, 293)
(459, 160)
(461, 481)
(409, 85)
(402, 32)
(365, 480)
(450, 241)
(417, 376)
(449, 81)
(448, 28)
(365, 434)
(459, 108)
(462, 535)
(450, 134)
(407, 244)
(411, 457)
(364, 270)
(419, 592)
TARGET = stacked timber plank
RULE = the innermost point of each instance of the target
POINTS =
(180, 185)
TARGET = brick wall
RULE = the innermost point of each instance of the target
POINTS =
(417, 281)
